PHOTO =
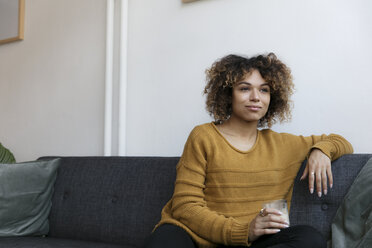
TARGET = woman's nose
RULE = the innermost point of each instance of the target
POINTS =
(254, 96)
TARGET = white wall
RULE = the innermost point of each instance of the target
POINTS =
(326, 43)
(52, 83)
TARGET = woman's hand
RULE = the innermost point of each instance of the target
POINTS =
(269, 222)
(319, 166)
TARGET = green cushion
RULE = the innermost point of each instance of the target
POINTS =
(5, 155)
(25, 197)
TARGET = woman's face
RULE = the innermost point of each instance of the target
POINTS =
(250, 97)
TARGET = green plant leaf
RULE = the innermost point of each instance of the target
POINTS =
(6, 157)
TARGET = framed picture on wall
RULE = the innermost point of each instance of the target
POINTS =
(12, 14)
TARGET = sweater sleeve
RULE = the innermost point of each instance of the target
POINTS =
(189, 205)
(333, 145)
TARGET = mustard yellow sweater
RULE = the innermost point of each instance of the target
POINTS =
(220, 189)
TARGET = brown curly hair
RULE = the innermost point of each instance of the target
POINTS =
(231, 69)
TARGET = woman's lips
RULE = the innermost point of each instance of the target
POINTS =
(253, 108)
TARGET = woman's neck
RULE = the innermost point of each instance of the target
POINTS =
(237, 127)
(240, 134)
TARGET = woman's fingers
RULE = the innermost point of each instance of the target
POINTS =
(320, 178)
(268, 221)
(330, 176)
(273, 219)
(319, 182)
(261, 232)
(311, 180)
(322, 174)
(256, 233)
(274, 211)
(306, 171)
(274, 223)
(268, 225)
(324, 181)
(319, 167)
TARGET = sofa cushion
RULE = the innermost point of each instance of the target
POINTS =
(309, 209)
(25, 197)
(110, 199)
(40, 242)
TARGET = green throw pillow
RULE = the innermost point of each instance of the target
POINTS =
(26, 191)
(5, 155)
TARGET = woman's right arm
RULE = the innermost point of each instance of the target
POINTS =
(188, 202)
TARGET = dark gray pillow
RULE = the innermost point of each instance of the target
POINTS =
(25, 197)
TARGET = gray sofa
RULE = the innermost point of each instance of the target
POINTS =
(112, 202)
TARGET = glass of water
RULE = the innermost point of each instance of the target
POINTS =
(280, 205)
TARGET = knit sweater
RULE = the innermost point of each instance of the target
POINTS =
(219, 189)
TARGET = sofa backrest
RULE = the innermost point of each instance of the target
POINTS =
(309, 209)
(119, 199)
(110, 199)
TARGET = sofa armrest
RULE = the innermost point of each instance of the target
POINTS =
(309, 209)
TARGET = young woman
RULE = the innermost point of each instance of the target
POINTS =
(229, 168)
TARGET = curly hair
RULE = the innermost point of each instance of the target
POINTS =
(231, 69)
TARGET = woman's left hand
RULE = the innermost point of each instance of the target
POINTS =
(318, 168)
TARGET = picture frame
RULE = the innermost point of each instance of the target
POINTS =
(12, 15)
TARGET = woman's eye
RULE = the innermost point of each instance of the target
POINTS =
(244, 89)
(265, 90)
